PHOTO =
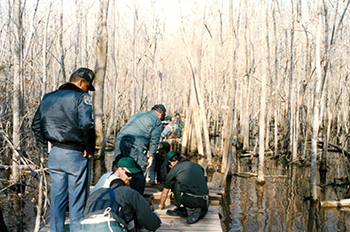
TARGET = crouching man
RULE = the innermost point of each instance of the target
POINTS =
(187, 182)
(113, 207)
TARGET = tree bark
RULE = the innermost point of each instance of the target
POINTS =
(261, 178)
(316, 107)
(101, 64)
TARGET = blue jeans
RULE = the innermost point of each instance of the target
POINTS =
(70, 177)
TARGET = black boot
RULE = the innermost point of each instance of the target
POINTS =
(179, 211)
(197, 215)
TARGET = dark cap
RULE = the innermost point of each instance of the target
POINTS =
(128, 163)
(160, 108)
(168, 118)
(87, 75)
(168, 157)
(163, 147)
(177, 114)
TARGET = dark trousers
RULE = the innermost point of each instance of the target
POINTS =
(186, 200)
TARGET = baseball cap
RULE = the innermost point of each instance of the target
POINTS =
(168, 118)
(129, 163)
(163, 146)
(168, 157)
(88, 75)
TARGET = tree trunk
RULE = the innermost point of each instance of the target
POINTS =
(316, 108)
(100, 72)
(261, 178)
(63, 68)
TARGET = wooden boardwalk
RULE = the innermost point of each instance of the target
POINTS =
(211, 221)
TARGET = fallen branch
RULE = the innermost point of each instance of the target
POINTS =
(332, 204)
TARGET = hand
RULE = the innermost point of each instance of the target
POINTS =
(87, 155)
(150, 161)
(161, 206)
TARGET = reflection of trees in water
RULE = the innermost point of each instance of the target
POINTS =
(283, 204)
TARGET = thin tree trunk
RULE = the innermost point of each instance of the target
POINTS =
(63, 69)
(261, 178)
(291, 107)
(317, 99)
(17, 76)
(101, 64)
(276, 81)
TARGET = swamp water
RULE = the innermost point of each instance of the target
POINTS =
(282, 203)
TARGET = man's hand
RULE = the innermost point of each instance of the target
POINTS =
(161, 206)
(150, 161)
(163, 198)
(86, 154)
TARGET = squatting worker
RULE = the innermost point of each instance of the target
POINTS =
(111, 206)
(64, 118)
(141, 134)
(187, 182)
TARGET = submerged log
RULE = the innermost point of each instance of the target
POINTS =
(340, 203)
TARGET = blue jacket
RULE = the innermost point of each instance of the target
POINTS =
(168, 129)
(64, 118)
(144, 128)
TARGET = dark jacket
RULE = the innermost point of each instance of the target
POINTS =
(134, 205)
(190, 177)
(64, 118)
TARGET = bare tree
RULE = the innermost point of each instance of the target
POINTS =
(263, 32)
(100, 70)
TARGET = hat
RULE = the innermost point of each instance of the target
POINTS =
(177, 114)
(129, 163)
(168, 118)
(162, 107)
(163, 147)
(168, 157)
(87, 75)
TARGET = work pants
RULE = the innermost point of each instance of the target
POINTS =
(70, 177)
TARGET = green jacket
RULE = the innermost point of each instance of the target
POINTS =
(145, 129)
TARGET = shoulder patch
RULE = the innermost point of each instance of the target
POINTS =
(87, 100)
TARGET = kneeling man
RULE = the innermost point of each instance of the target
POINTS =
(114, 207)
(187, 182)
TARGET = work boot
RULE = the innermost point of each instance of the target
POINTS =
(197, 215)
(179, 211)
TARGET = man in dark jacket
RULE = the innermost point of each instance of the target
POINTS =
(141, 134)
(64, 120)
(158, 167)
(112, 206)
(187, 182)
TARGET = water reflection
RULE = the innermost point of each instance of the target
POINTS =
(283, 202)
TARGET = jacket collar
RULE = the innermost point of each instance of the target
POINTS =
(70, 86)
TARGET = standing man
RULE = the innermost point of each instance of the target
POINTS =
(187, 182)
(172, 134)
(141, 134)
(179, 121)
(158, 165)
(64, 118)
(111, 206)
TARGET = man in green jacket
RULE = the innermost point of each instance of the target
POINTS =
(112, 206)
(141, 134)
(188, 183)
